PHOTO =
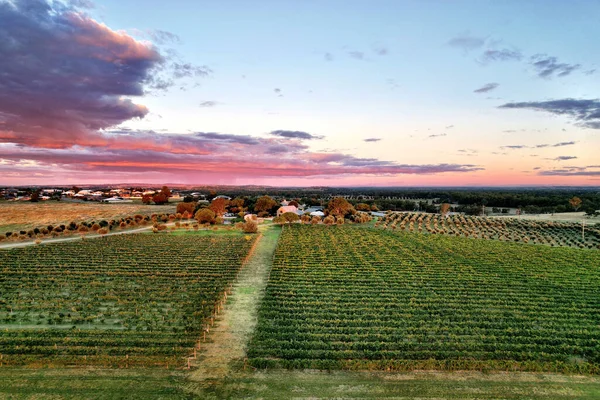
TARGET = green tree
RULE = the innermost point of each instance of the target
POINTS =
(290, 217)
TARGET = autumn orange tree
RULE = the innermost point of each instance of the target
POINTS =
(363, 207)
(339, 207)
(205, 215)
(575, 202)
(219, 206)
(160, 198)
(444, 208)
(236, 205)
(183, 207)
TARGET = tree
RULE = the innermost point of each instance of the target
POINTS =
(329, 220)
(339, 207)
(219, 206)
(315, 220)
(35, 196)
(160, 198)
(444, 208)
(146, 198)
(279, 220)
(575, 202)
(264, 204)
(290, 217)
(305, 218)
(363, 207)
(374, 207)
(183, 207)
(294, 203)
(165, 190)
(236, 205)
(205, 215)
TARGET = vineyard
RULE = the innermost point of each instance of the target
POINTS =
(367, 299)
(568, 234)
(131, 300)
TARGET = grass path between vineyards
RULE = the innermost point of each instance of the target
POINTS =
(226, 349)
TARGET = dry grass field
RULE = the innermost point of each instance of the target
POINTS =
(25, 215)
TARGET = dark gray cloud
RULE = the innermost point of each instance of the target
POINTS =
(374, 139)
(539, 146)
(64, 76)
(586, 113)
(549, 67)
(488, 87)
(562, 158)
(295, 135)
(466, 42)
(561, 144)
(501, 55)
(227, 137)
(209, 103)
(568, 172)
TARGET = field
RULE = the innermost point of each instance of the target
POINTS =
(551, 233)
(27, 215)
(355, 298)
(131, 300)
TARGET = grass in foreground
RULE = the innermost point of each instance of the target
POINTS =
(277, 385)
(75, 384)
(21, 383)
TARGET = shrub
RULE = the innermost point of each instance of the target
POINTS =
(205, 215)
(250, 227)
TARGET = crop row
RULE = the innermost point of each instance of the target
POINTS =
(350, 297)
(506, 229)
(119, 296)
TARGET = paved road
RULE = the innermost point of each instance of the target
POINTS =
(77, 237)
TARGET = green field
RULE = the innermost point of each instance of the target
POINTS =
(351, 298)
(131, 300)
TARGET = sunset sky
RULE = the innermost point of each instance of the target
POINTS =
(300, 93)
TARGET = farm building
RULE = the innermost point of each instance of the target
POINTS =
(284, 209)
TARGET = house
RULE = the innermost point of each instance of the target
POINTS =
(284, 209)
(222, 196)
(285, 203)
(116, 199)
(317, 214)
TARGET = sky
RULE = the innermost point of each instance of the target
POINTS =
(300, 93)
